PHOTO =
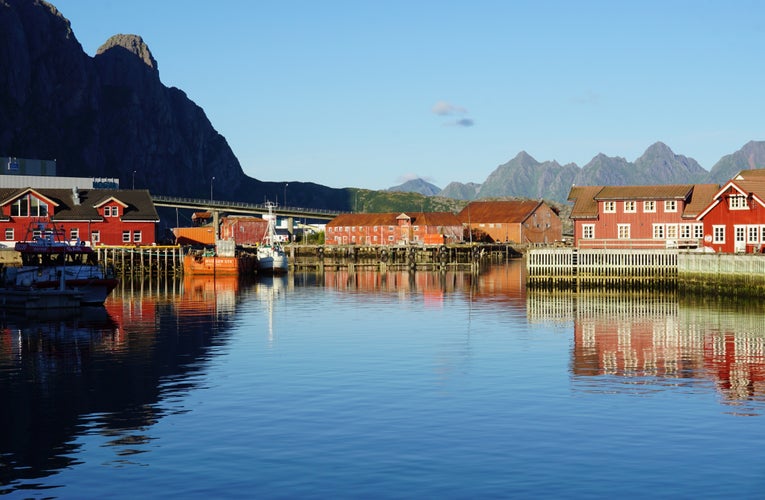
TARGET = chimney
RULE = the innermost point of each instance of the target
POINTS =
(75, 196)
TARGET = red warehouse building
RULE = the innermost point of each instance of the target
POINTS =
(517, 221)
(734, 220)
(100, 216)
(394, 229)
(639, 216)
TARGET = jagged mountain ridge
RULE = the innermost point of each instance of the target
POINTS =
(524, 176)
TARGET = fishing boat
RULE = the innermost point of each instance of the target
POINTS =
(271, 255)
(222, 260)
(54, 273)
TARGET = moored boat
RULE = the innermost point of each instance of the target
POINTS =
(223, 260)
(271, 255)
(54, 273)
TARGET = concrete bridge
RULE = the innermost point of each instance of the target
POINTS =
(237, 207)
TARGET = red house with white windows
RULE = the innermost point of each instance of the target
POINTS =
(394, 229)
(98, 216)
(639, 216)
(734, 220)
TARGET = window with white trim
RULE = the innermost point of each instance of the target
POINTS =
(762, 234)
(658, 231)
(670, 205)
(74, 234)
(29, 206)
(672, 231)
(8, 234)
(718, 234)
(737, 202)
(95, 236)
(685, 231)
(623, 231)
(649, 206)
(588, 231)
(752, 234)
(698, 230)
(125, 236)
(137, 236)
(630, 207)
(609, 207)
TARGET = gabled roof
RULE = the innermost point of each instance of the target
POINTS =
(585, 206)
(108, 200)
(138, 205)
(8, 195)
(509, 212)
(755, 189)
(753, 174)
(702, 194)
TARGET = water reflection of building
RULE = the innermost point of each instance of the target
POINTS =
(495, 283)
(660, 335)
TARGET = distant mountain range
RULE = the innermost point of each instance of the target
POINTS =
(525, 177)
(111, 116)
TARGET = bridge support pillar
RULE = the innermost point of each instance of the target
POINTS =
(291, 228)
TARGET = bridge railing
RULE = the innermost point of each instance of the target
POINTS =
(258, 207)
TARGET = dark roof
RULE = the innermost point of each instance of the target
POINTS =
(585, 206)
(514, 211)
(700, 199)
(660, 192)
(138, 202)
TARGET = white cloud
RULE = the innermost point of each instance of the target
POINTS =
(443, 108)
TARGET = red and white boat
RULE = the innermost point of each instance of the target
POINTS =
(49, 263)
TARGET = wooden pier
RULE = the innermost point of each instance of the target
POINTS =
(383, 257)
(154, 260)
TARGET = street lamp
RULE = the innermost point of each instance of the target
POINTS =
(211, 188)
(133, 179)
(285, 193)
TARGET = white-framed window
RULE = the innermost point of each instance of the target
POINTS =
(753, 234)
(630, 207)
(125, 236)
(609, 207)
(670, 205)
(737, 202)
(649, 206)
(415, 228)
(390, 238)
(374, 238)
(74, 234)
(658, 231)
(95, 236)
(718, 234)
(375, 229)
(588, 231)
(685, 231)
(739, 233)
(698, 230)
(623, 231)
(137, 236)
(762, 234)
(29, 206)
(672, 231)
(9, 234)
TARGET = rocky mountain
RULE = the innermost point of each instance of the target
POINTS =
(525, 177)
(460, 191)
(111, 116)
(750, 156)
(417, 186)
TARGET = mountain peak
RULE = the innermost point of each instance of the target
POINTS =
(134, 44)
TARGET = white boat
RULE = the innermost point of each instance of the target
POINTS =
(57, 271)
(271, 255)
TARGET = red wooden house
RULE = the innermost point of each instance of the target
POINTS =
(394, 229)
(734, 220)
(99, 216)
(517, 221)
(639, 216)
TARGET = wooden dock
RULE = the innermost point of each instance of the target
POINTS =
(577, 268)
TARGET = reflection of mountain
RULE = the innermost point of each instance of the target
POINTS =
(110, 374)
(660, 336)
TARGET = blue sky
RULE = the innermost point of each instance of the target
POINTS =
(370, 94)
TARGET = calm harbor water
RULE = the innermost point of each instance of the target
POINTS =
(384, 386)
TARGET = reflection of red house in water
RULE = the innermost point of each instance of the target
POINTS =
(659, 344)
